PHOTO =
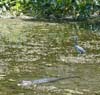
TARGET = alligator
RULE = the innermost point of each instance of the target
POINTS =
(28, 83)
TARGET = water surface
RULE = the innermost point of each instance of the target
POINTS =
(32, 50)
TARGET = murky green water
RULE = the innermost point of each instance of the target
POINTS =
(33, 50)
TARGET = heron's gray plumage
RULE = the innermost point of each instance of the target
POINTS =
(77, 47)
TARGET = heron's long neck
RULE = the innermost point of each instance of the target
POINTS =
(76, 43)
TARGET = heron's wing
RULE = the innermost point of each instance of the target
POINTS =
(80, 49)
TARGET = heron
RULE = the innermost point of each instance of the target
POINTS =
(77, 47)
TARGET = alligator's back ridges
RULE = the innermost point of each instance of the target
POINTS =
(48, 80)
(26, 83)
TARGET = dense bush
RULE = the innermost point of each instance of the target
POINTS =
(53, 8)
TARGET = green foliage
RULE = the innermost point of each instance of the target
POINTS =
(55, 8)
(63, 8)
(15, 5)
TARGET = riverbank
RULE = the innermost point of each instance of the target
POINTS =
(51, 18)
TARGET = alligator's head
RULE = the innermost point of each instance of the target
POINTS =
(25, 83)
